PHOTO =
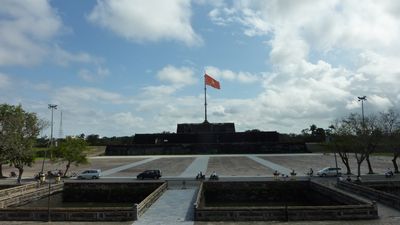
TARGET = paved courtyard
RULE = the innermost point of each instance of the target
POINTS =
(175, 205)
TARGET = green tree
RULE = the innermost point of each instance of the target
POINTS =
(390, 125)
(314, 134)
(19, 132)
(372, 134)
(340, 142)
(5, 112)
(359, 137)
(72, 150)
(92, 139)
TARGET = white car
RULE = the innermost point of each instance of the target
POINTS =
(90, 174)
(329, 171)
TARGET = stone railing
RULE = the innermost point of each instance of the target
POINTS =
(373, 194)
(17, 190)
(282, 213)
(69, 214)
(197, 203)
(27, 193)
(338, 195)
(149, 200)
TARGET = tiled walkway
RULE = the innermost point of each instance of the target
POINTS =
(269, 164)
(199, 164)
(127, 166)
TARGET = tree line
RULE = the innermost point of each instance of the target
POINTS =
(91, 139)
(359, 137)
(19, 130)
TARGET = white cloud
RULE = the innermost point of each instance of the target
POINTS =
(64, 58)
(161, 90)
(26, 27)
(126, 119)
(92, 76)
(147, 20)
(382, 103)
(304, 84)
(242, 77)
(382, 68)
(71, 97)
(177, 76)
(4, 81)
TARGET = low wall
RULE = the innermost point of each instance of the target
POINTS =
(210, 148)
(76, 191)
(371, 193)
(26, 193)
(17, 190)
(357, 209)
(131, 192)
(69, 214)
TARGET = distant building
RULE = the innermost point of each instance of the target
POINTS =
(206, 138)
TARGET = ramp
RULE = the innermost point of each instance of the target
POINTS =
(175, 206)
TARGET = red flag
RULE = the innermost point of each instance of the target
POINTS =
(211, 81)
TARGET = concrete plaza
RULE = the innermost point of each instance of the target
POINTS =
(175, 206)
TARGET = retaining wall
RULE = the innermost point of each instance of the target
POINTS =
(364, 190)
(69, 214)
(356, 209)
(76, 191)
(207, 148)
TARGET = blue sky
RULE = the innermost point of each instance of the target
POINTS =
(119, 67)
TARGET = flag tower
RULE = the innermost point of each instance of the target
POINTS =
(208, 80)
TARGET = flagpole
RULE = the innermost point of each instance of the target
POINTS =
(205, 99)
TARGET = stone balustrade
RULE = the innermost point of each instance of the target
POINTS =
(26, 193)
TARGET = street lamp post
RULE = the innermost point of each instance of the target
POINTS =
(48, 202)
(362, 99)
(331, 127)
(52, 107)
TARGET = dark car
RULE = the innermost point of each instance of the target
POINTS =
(149, 174)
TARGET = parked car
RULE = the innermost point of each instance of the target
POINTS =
(149, 174)
(329, 171)
(90, 174)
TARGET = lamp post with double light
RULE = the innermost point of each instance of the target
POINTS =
(362, 99)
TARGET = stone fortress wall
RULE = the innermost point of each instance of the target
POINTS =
(207, 138)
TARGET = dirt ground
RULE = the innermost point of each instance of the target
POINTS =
(236, 166)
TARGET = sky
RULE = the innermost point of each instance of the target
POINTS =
(120, 67)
